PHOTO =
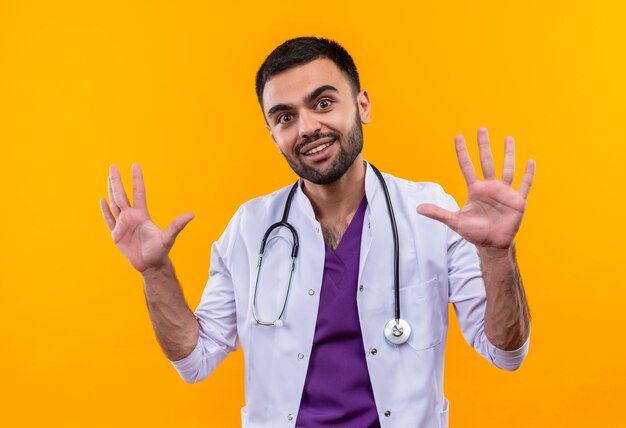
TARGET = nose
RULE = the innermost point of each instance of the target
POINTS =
(308, 125)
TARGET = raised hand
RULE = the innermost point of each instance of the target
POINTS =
(493, 212)
(141, 241)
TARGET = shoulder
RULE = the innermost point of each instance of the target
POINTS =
(263, 205)
(251, 218)
(418, 191)
(259, 212)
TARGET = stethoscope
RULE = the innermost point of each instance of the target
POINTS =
(397, 330)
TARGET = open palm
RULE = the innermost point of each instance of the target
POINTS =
(493, 212)
(141, 241)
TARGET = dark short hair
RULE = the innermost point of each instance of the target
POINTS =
(303, 50)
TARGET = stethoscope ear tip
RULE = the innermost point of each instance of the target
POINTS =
(278, 323)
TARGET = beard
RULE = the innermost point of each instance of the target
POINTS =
(340, 165)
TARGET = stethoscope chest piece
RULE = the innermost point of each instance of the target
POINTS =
(397, 331)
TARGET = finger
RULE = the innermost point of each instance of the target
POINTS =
(448, 218)
(139, 189)
(119, 195)
(508, 167)
(107, 214)
(486, 159)
(528, 178)
(465, 162)
(116, 209)
(176, 227)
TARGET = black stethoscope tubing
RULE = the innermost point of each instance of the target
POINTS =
(396, 244)
(396, 330)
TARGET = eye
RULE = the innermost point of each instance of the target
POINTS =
(324, 103)
(284, 118)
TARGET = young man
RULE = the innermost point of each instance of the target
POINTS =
(323, 342)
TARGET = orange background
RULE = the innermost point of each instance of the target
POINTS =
(87, 84)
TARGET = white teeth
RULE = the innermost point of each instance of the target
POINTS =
(317, 149)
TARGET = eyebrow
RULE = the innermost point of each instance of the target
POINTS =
(310, 97)
(316, 93)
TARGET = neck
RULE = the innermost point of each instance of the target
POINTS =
(341, 199)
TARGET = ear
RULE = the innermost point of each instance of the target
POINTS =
(273, 139)
(271, 135)
(363, 101)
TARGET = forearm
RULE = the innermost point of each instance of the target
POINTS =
(507, 319)
(175, 326)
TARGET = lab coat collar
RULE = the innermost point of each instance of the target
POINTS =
(375, 222)
(372, 185)
(372, 189)
(375, 214)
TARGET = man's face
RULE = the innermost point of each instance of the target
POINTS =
(315, 120)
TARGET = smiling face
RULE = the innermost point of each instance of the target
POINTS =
(315, 119)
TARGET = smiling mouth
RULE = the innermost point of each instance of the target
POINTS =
(319, 148)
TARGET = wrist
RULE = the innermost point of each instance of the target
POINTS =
(496, 254)
(159, 270)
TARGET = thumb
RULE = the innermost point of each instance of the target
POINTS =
(448, 218)
(176, 227)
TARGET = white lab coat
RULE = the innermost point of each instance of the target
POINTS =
(436, 267)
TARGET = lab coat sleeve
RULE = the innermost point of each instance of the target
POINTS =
(467, 294)
(215, 314)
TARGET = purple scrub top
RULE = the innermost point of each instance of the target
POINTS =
(337, 390)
